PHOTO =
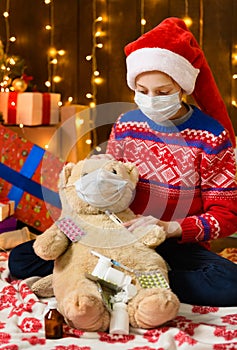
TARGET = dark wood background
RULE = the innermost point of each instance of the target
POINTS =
(73, 21)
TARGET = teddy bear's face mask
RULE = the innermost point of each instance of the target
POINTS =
(103, 189)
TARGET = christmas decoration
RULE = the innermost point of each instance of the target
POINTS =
(29, 108)
(19, 85)
(29, 176)
(11, 67)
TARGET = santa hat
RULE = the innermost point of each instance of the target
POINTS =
(172, 49)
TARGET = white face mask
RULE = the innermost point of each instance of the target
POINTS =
(158, 108)
(104, 190)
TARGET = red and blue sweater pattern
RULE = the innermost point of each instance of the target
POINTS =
(187, 172)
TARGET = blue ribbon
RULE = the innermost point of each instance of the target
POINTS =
(22, 181)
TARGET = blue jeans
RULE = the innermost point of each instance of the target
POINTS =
(197, 276)
(24, 263)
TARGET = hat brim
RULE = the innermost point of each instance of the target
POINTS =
(163, 60)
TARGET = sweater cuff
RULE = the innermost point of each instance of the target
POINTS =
(192, 232)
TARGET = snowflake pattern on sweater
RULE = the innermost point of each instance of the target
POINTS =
(187, 172)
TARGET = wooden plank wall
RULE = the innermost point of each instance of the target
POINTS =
(73, 21)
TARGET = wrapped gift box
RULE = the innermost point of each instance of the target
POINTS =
(69, 111)
(29, 176)
(6, 208)
(75, 129)
(8, 224)
(29, 108)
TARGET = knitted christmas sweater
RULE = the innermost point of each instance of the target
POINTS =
(187, 172)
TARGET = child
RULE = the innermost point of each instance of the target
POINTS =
(185, 158)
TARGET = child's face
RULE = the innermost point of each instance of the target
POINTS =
(156, 83)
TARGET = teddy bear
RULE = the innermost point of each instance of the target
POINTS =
(99, 263)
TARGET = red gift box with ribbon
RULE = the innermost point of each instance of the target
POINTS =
(30, 108)
(29, 177)
(6, 208)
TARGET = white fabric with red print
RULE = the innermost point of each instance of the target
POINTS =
(195, 327)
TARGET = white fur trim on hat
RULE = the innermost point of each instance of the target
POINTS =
(163, 60)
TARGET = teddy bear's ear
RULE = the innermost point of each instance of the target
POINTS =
(133, 172)
(65, 173)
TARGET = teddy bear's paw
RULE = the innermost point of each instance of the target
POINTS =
(86, 312)
(43, 287)
(153, 307)
(50, 244)
(154, 236)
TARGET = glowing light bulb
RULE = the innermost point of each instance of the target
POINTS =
(98, 80)
(52, 52)
(21, 126)
(54, 61)
(57, 79)
(234, 57)
(99, 45)
(61, 52)
(47, 83)
(88, 57)
(143, 22)
(188, 21)
(12, 61)
(88, 141)
(79, 122)
(47, 2)
(234, 76)
(92, 104)
(99, 19)
(5, 14)
(12, 39)
(96, 73)
(89, 95)
(6, 79)
(70, 99)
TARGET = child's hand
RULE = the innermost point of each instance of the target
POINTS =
(140, 220)
(172, 228)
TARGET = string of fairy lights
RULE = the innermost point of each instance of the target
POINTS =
(9, 62)
(53, 53)
(143, 20)
(234, 76)
(98, 33)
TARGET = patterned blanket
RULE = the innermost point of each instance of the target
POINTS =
(195, 327)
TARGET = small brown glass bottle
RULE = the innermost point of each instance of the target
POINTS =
(53, 322)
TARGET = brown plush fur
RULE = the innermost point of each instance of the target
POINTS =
(78, 297)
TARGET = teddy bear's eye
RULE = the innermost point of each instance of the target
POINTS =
(114, 171)
(84, 174)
